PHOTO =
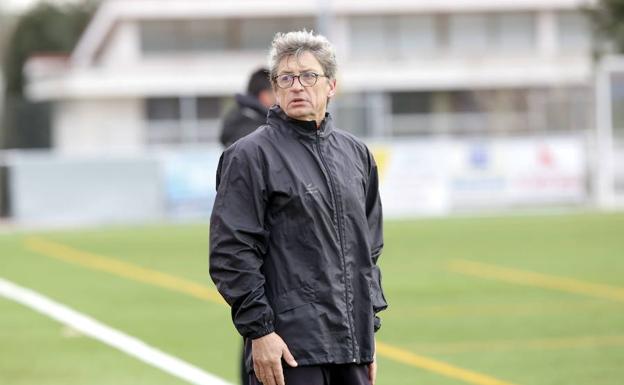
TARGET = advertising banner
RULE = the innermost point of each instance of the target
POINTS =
(437, 176)
(413, 178)
(189, 179)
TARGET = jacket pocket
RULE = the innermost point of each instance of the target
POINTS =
(294, 298)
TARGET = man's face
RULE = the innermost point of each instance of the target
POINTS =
(267, 98)
(297, 101)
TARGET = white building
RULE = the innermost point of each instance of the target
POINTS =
(152, 72)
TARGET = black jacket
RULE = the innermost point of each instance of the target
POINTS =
(295, 234)
(243, 119)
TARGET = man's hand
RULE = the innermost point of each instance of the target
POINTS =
(267, 353)
(372, 371)
(372, 367)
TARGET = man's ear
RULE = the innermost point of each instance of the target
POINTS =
(274, 94)
(332, 88)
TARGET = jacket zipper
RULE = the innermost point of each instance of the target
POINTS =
(338, 214)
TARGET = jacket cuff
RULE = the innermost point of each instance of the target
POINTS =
(266, 329)
(377, 323)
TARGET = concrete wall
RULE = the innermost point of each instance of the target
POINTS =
(98, 125)
(60, 190)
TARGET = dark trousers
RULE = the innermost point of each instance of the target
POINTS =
(345, 374)
(243, 371)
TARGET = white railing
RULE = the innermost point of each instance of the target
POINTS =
(459, 123)
(168, 132)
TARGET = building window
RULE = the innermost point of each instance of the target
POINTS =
(412, 36)
(478, 33)
(392, 36)
(514, 31)
(416, 35)
(486, 112)
(617, 101)
(209, 108)
(574, 32)
(349, 110)
(469, 101)
(183, 35)
(370, 36)
(411, 113)
(183, 120)
(468, 33)
(158, 109)
(215, 34)
(411, 102)
(465, 112)
(257, 34)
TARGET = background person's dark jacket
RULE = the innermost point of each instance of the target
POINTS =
(243, 119)
(295, 234)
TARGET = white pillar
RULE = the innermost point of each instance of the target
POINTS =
(547, 33)
(188, 119)
(602, 169)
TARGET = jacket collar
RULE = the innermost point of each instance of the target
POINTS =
(303, 127)
(248, 101)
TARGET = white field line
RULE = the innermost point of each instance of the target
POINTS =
(115, 338)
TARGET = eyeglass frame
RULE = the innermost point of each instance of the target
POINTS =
(298, 77)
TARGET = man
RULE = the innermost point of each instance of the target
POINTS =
(251, 109)
(296, 231)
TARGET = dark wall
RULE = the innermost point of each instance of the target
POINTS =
(27, 124)
(4, 192)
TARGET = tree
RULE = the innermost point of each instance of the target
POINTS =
(608, 20)
(49, 28)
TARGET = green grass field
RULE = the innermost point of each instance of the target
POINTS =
(447, 315)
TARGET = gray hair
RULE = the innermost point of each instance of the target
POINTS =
(296, 43)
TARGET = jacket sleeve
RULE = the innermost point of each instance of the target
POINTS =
(375, 225)
(238, 240)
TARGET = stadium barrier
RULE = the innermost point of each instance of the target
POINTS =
(418, 177)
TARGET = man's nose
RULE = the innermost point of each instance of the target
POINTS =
(297, 84)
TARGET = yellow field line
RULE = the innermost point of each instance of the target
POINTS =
(152, 277)
(530, 278)
(436, 366)
(510, 310)
(515, 345)
(123, 269)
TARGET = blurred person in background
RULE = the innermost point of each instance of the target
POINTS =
(251, 109)
(296, 231)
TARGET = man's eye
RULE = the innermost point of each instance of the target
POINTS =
(285, 78)
(308, 75)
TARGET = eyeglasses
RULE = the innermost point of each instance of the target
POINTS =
(306, 79)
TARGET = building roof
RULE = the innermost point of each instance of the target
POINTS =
(111, 11)
(83, 76)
